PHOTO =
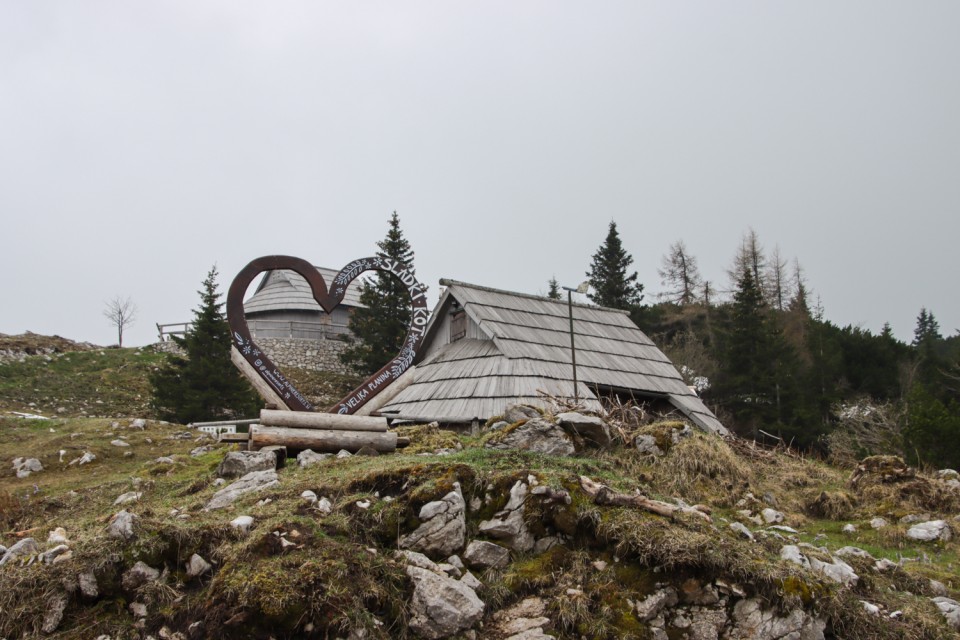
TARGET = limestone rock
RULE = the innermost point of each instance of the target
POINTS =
(88, 584)
(49, 557)
(138, 575)
(138, 423)
(589, 428)
(878, 523)
(243, 523)
(120, 443)
(237, 464)
(197, 566)
(950, 610)
(416, 559)
(253, 481)
(742, 530)
(508, 525)
(58, 536)
(849, 529)
(930, 531)
(647, 445)
(122, 526)
(791, 553)
(524, 620)
(441, 606)
(838, 571)
(53, 616)
(856, 552)
(772, 516)
(130, 496)
(25, 466)
(308, 458)
(518, 412)
(23, 549)
(481, 554)
(443, 526)
(651, 606)
(138, 609)
(751, 621)
(537, 435)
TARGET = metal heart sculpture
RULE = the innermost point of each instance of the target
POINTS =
(327, 300)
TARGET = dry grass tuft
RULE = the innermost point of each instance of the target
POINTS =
(832, 505)
(703, 466)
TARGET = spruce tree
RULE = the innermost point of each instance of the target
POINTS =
(203, 384)
(379, 328)
(612, 285)
(553, 289)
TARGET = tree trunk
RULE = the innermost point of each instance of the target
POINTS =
(322, 440)
(309, 420)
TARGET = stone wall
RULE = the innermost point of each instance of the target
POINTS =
(320, 355)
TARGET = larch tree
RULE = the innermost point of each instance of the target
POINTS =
(777, 281)
(680, 274)
(750, 256)
(379, 328)
(203, 384)
(609, 275)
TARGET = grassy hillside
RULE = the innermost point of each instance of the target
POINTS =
(302, 572)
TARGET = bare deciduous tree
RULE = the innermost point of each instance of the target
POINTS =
(680, 273)
(121, 312)
(776, 283)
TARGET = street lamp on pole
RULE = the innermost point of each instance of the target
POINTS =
(581, 288)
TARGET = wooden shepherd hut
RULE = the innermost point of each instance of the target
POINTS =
(486, 349)
(283, 307)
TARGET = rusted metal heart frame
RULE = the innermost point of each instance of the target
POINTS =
(328, 301)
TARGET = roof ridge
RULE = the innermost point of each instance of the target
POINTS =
(448, 282)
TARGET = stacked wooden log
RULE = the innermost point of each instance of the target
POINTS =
(323, 432)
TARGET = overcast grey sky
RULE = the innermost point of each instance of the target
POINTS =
(142, 142)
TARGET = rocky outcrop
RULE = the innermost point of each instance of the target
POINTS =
(930, 531)
(255, 481)
(441, 606)
(443, 526)
(481, 554)
(537, 435)
(590, 428)
(237, 464)
(507, 525)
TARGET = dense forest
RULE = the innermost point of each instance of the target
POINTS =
(773, 368)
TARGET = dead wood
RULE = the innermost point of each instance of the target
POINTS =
(604, 496)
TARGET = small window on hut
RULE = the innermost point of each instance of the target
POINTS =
(458, 325)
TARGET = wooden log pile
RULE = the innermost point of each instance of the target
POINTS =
(323, 432)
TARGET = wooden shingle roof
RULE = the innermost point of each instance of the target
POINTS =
(286, 290)
(523, 351)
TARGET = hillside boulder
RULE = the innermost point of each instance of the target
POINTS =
(590, 428)
(537, 435)
(237, 464)
(441, 606)
(443, 527)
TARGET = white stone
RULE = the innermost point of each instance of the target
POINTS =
(870, 608)
(130, 496)
(197, 566)
(119, 443)
(878, 523)
(441, 606)
(742, 530)
(122, 526)
(308, 458)
(950, 610)
(324, 506)
(443, 526)
(792, 553)
(930, 531)
(242, 522)
(772, 516)
(58, 536)
(849, 529)
(508, 525)
(254, 481)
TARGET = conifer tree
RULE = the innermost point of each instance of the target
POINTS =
(379, 328)
(553, 290)
(203, 384)
(612, 285)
